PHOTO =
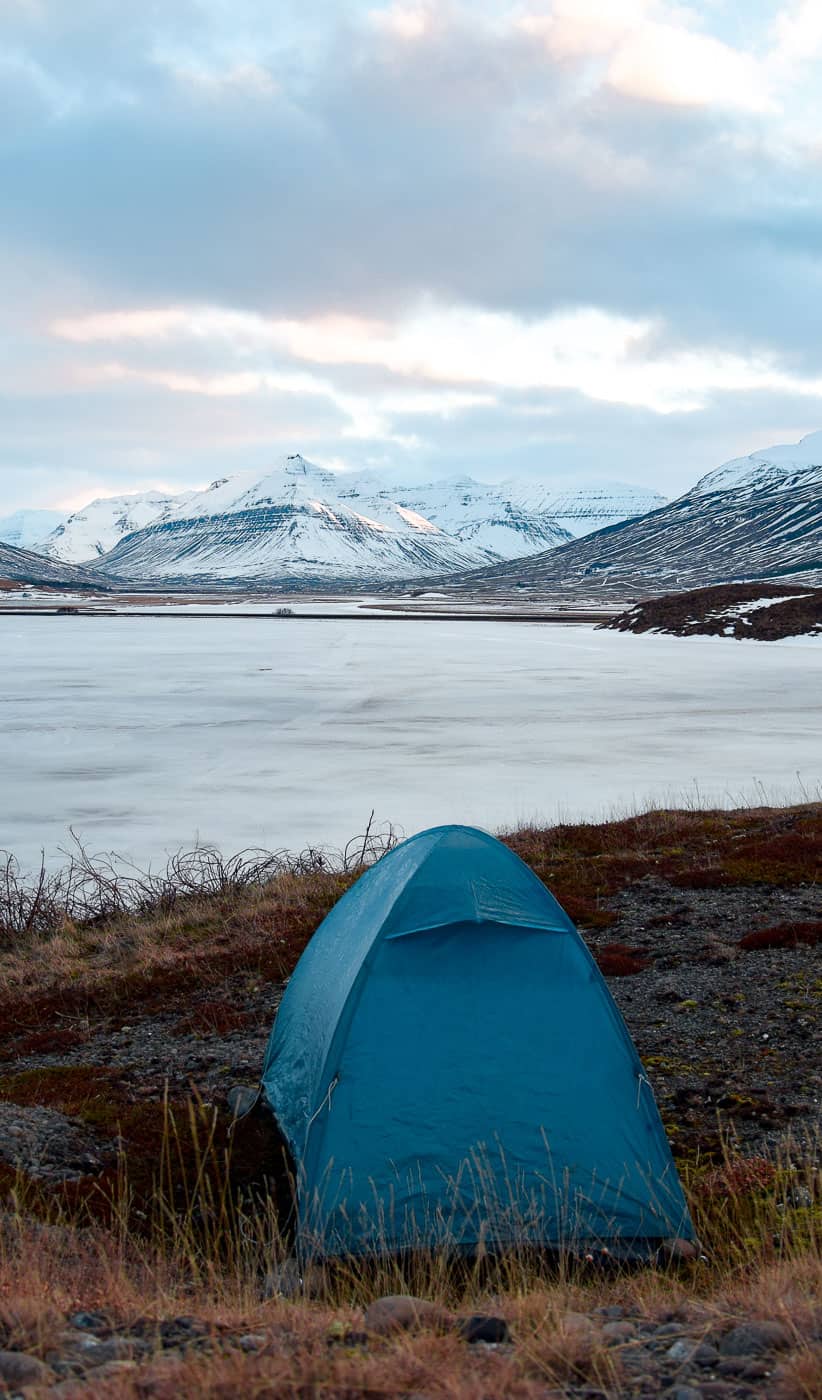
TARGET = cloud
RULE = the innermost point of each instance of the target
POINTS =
(383, 225)
(602, 357)
(656, 59)
(406, 22)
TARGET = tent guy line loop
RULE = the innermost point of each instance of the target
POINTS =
(640, 1080)
(325, 1102)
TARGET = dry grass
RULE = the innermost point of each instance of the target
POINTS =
(48, 1273)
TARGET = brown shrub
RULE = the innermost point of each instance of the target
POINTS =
(51, 1040)
(738, 1176)
(789, 935)
(213, 1017)
(619, 960)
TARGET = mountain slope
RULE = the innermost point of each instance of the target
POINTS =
(291, 526)
(580, 510)
(26, 529)
(100, 525)
(22, 566)
(755, 517)
(485, 517)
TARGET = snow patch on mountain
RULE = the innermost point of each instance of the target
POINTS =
(580, 510)
(482, 516)
(777, 468)
(27, 529)
(755, 518)
(99, 526)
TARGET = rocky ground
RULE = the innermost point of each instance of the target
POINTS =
(686, 1352)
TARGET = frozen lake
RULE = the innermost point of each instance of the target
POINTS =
(146, 734)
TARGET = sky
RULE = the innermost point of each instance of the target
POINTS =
(566, 239)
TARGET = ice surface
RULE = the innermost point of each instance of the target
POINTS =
(146, 733)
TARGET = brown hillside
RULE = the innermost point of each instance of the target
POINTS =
(763, 612)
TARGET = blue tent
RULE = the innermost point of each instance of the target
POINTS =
(448, 1068)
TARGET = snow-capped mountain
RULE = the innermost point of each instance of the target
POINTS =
(773, 469)
(756, 517)
(300, 522)
(291, 526)
(580, 510)
(99, 526)
(26, 529)
(481, 516)
(24, 567)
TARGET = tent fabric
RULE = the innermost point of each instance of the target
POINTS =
(448, 1067)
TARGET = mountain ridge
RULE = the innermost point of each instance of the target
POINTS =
(302, 524)
(757, 517)
(88, 533)
(23, 566)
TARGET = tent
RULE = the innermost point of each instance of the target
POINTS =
(448, 1068)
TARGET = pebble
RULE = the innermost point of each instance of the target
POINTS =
(717, 1390)
(679, 1251)
(682, 1351)
(252, 1341)
(748, 1368)
(19, 1371)
(492, 1330)
(754, 1338)
(402, 1313)
(114, 1349)
(88, 1321)
(615, 1333)
(577, 1324)
(705, 1355)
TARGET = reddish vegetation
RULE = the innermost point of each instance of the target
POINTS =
(739, 1176)
(50, 1041)
(213, 1017)
(784, 935)
(618, 960)
(166, 1147)
(588, 863)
